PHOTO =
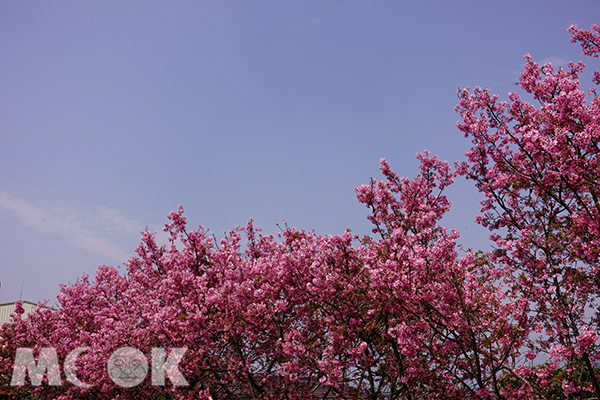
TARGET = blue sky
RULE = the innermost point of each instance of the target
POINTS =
(112, 113)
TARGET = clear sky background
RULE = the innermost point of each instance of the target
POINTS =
(112, 113)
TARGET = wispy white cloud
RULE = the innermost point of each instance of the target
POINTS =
(95, 228)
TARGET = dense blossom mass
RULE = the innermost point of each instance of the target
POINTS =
(402, 314)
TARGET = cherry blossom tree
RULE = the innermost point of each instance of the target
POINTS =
(538, 168)
(399, 316)
(405, 313)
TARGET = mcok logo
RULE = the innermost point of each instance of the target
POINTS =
(126, 367)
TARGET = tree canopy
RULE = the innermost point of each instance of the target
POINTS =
(401, 314)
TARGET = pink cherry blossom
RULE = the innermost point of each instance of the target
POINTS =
(403, 313)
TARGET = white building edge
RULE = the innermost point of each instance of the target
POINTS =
(6, 310)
